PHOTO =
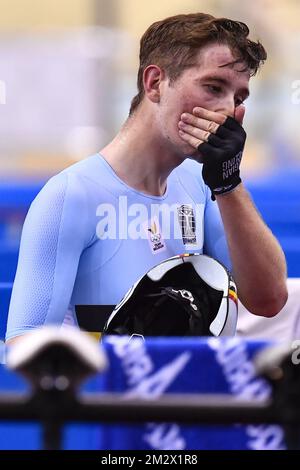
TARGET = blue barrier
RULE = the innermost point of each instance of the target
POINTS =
(157, 366)
(8, 263)
(15, 200)
(28, 436)
(16, 195)
(5, 294)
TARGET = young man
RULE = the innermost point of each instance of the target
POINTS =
(101, 224)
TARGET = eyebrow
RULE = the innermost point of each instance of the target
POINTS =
(223, 81)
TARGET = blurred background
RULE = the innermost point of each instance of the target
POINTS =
(67, 76)
(68, 73)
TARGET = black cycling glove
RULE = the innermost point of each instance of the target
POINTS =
(222, 155)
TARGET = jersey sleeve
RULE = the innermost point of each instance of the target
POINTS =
(215, 244)
(53, 238)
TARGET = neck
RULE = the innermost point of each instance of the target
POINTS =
(140, 156)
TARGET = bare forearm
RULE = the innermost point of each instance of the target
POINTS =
(259, 266)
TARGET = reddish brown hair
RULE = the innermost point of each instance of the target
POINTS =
(174, 43)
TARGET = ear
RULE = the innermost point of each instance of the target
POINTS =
(152, 78)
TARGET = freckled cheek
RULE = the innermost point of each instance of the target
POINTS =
(190, 101)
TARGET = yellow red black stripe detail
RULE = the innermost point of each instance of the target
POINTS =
(233, 295)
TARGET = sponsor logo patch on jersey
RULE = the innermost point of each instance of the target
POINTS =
(187, 222)
(154, 235)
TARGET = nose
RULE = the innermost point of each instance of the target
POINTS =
(230, 109)
(227, 107)
(239, 114)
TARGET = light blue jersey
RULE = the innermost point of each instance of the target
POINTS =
(88, 237)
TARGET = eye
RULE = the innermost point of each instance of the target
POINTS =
(214, 89)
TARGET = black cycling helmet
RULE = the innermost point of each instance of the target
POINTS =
(186, 295)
